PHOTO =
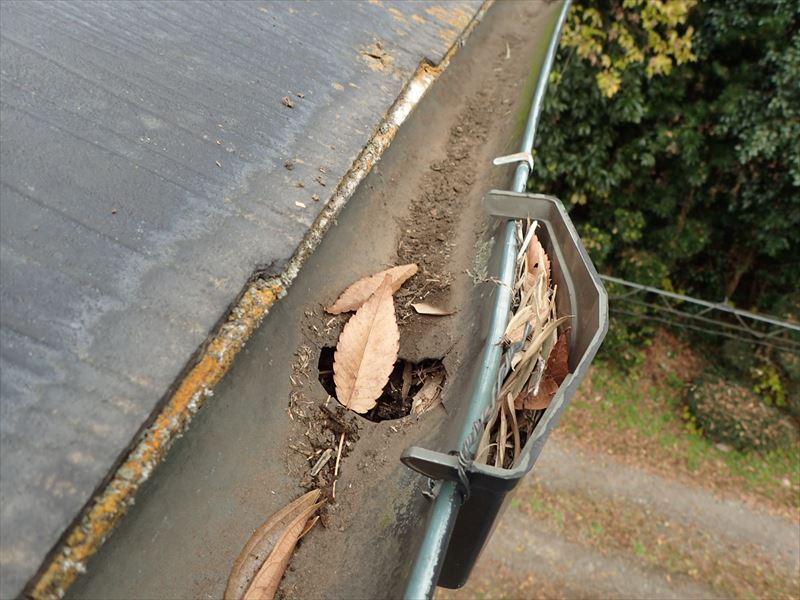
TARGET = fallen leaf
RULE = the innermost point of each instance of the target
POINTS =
(515, 426)
(360, 291)
(309, 526)
(269, 576)
(367, 350)
(555, 372)
(261, 544)
(425, 398)
(424, 308)
(547, 389)
(558, 361)
(287, 102)
(538, 260)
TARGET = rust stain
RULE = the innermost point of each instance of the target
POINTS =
(417, 19)
(376, 56)
(397, 15)
(108, 508)
(456, 18)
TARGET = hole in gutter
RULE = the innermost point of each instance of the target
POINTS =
(391, 404)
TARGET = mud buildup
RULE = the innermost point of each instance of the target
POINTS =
(397, 398)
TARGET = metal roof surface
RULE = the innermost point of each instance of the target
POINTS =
(142, 182)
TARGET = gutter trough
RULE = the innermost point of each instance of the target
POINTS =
(468, 498)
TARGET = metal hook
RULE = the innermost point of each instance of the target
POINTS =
(516, 157)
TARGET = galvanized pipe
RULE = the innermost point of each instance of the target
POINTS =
(430, 557)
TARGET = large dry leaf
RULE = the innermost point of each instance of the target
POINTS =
(359, 292)
(269, 576)
(555, 372)
(262, 543)
(366, 351)
(547, 389)
(538, 261)
(558, 362)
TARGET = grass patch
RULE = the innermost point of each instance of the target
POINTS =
(641, 416)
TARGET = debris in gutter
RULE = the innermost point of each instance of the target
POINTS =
(423, 308)
(359, 292)
(323, 460)
(367, 350)
(426, 398)
(259, 568)
(539, 363)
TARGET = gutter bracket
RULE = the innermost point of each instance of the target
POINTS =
(516, 206)
(434, 465)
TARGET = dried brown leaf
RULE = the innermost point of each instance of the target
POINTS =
(555, 372)
(558, 361)
(515, 426)
(309, 526)
(269, 576)
(499, 456)
(425, 398)
(261, 544)
(366, 351)
(547, 389)
(538, 261)
(360, 291)
(424, 308)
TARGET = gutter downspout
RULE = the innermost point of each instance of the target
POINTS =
(430, 557)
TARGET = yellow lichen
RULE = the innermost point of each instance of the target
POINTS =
(455, 17)
(397, 15)
(107, 510)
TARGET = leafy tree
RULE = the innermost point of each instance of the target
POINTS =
(672, 131)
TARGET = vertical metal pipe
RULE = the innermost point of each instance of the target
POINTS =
(430, 557)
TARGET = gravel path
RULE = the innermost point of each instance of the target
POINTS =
(565, 467)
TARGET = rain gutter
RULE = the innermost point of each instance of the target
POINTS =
(431, 555)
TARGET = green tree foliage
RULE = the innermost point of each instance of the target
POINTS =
(672, 131)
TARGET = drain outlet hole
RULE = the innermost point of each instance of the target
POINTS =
(391, 405)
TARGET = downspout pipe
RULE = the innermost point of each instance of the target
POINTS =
(430, 558)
